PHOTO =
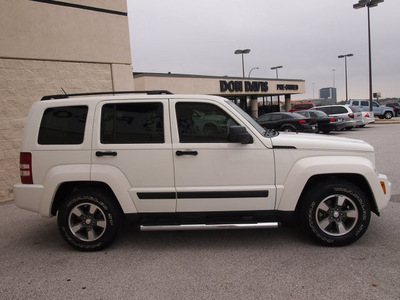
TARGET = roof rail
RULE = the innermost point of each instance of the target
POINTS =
(65, 96)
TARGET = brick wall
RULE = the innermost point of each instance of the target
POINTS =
(23, 82)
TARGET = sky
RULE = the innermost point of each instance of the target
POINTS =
(304, 36)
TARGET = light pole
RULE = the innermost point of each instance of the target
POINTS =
(313, 90)
(368, 4)
(345, 71)
(276, 69)
(245, 51)
(256, 68)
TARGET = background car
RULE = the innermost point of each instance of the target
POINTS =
(288, 121)
(396, 108)
(382, 112)
(351, 115)
(325, 122)
(302, 106)
(367, 117)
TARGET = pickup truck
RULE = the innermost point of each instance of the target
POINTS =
(382, 112)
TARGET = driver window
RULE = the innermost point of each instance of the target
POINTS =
(202, 123)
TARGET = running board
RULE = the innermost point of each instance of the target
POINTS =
(208, 226)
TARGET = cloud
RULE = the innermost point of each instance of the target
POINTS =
(200, 37)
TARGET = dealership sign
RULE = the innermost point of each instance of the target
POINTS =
(243, 86)
(287, 87)
(235, 86)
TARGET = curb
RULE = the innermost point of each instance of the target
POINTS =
(395, 120)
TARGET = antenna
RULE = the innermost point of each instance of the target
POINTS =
(64, 92)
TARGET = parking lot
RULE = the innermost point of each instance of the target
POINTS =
(35, 263)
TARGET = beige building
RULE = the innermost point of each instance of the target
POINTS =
(47, 46)
(83, 46)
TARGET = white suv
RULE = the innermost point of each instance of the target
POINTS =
(95, 160)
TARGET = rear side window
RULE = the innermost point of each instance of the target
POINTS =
(324, 109)
(63, 125)
(338, 110)
(354, 109)
(132, 123)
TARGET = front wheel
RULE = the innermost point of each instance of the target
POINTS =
(210, 129)
(89, 220)
(288, 129)
(336, 214)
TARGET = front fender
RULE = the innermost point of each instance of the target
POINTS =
(289, 192)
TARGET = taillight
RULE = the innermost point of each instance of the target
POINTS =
(367, 115)
(332, 120)
(25, 161)
(351, 116)
(302, 122)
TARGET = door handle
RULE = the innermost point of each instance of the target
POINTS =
(180, 153)
(106, 153)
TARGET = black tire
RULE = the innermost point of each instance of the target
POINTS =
(326, 131)
(388, 115)
(335, 213)
(288, 129)
(89, 220)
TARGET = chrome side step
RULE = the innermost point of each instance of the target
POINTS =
(208, 226)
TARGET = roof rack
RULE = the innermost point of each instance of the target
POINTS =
(65, 96)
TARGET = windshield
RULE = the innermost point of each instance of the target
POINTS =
(257, 126)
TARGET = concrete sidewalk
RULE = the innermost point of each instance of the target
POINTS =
(395, 120)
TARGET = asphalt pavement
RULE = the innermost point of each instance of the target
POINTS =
(35, 263)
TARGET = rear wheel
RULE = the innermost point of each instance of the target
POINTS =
(89, 220)
(336, 213)
(388, 115)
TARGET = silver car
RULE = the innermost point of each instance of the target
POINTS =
(351, 115)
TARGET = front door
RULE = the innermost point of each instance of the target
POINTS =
(211, 173)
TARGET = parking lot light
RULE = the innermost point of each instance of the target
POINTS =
(345, 72)
(276, 69)
(244, 51)
(368, 4)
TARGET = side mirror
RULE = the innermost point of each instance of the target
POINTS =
(239, 134)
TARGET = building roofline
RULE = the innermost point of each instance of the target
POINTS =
(149, 74)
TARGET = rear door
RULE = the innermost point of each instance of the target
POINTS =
(133, 140)
(212, 174)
